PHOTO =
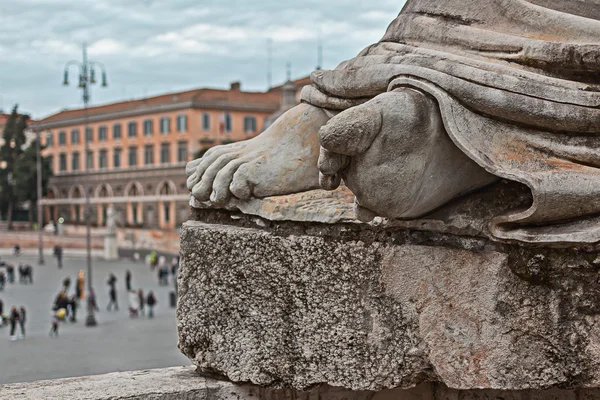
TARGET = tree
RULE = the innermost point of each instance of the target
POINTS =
(10, 151)
(25, 177)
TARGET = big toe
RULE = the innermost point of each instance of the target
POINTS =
(352, 131)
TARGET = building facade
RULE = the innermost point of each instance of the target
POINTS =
(138, 150)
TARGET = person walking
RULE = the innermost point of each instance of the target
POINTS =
(57, 317)
(72, 304)
(93, 303)
(1, 313)
(141, 301)
(112, 282)
(153, 260)
(133, 304)
(128, 281)
(151, 302)
(2, 280)
(29, 274)
(58, 253)
(10, 271)
(66, 284)
(22, 319)
(80, 288)
(14, 319)
(61, 302)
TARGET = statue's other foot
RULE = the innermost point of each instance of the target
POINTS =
(281, 160)
(395, 156)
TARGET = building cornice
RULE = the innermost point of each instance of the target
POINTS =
(223, 105)
(117, 173)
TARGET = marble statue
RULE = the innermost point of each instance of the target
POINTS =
(457, 95)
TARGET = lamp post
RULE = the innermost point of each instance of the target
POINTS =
(87, 77)
(40, 218)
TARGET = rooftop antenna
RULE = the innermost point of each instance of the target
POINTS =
(269, 61)
(320, 49)
(288, 68)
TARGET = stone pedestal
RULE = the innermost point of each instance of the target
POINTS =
(111, 251)
(296, 304)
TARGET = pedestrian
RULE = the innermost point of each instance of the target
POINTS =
(2, 280)
(58, 253)
(22, 319)
(128, 280)
(57, 317)
(141, 301)
(10, 270)
(80, 288)
(151, 302)
(14, 319)
(17, 250)
(61, 301)
(92, 300)
(133, 304)
(29, 274)
(112, 281)
(1, 313)
(66, 284)
(153, 260)
(72, 304)
(174, 268)
(21, 273)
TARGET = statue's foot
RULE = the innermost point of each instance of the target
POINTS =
(395, 156)
(281, 160)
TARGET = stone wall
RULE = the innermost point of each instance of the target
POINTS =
(293, 305)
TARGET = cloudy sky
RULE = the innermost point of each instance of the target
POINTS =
(156, 46)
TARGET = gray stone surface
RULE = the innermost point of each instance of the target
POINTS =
(184, 383)
(369, 308)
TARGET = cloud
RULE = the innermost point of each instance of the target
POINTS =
(152, 46)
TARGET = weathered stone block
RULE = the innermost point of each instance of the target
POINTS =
(370, 308)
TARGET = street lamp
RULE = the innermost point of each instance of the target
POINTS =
(39, 199)
(87, 75)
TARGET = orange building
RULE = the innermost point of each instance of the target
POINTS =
(138, 150)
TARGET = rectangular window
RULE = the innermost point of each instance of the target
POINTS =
(62, 138)
(89, 161)
(206, 122)
(62, 162)
(117, 131)
(148, 154)
(132, 156)
(165, 125)
(102, 134)
(165, 153)
(182, 151)
(228, 123)
(49, 140)
(89, 135)
(75, 136)
(103, 159)
(182, 123)
(148, 127)
(50, 162)
(117, 157)
(132, 129)
(75, 162)
(250, 124)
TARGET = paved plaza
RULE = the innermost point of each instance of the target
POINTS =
(118, 343)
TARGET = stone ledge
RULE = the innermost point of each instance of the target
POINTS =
(184, 383)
